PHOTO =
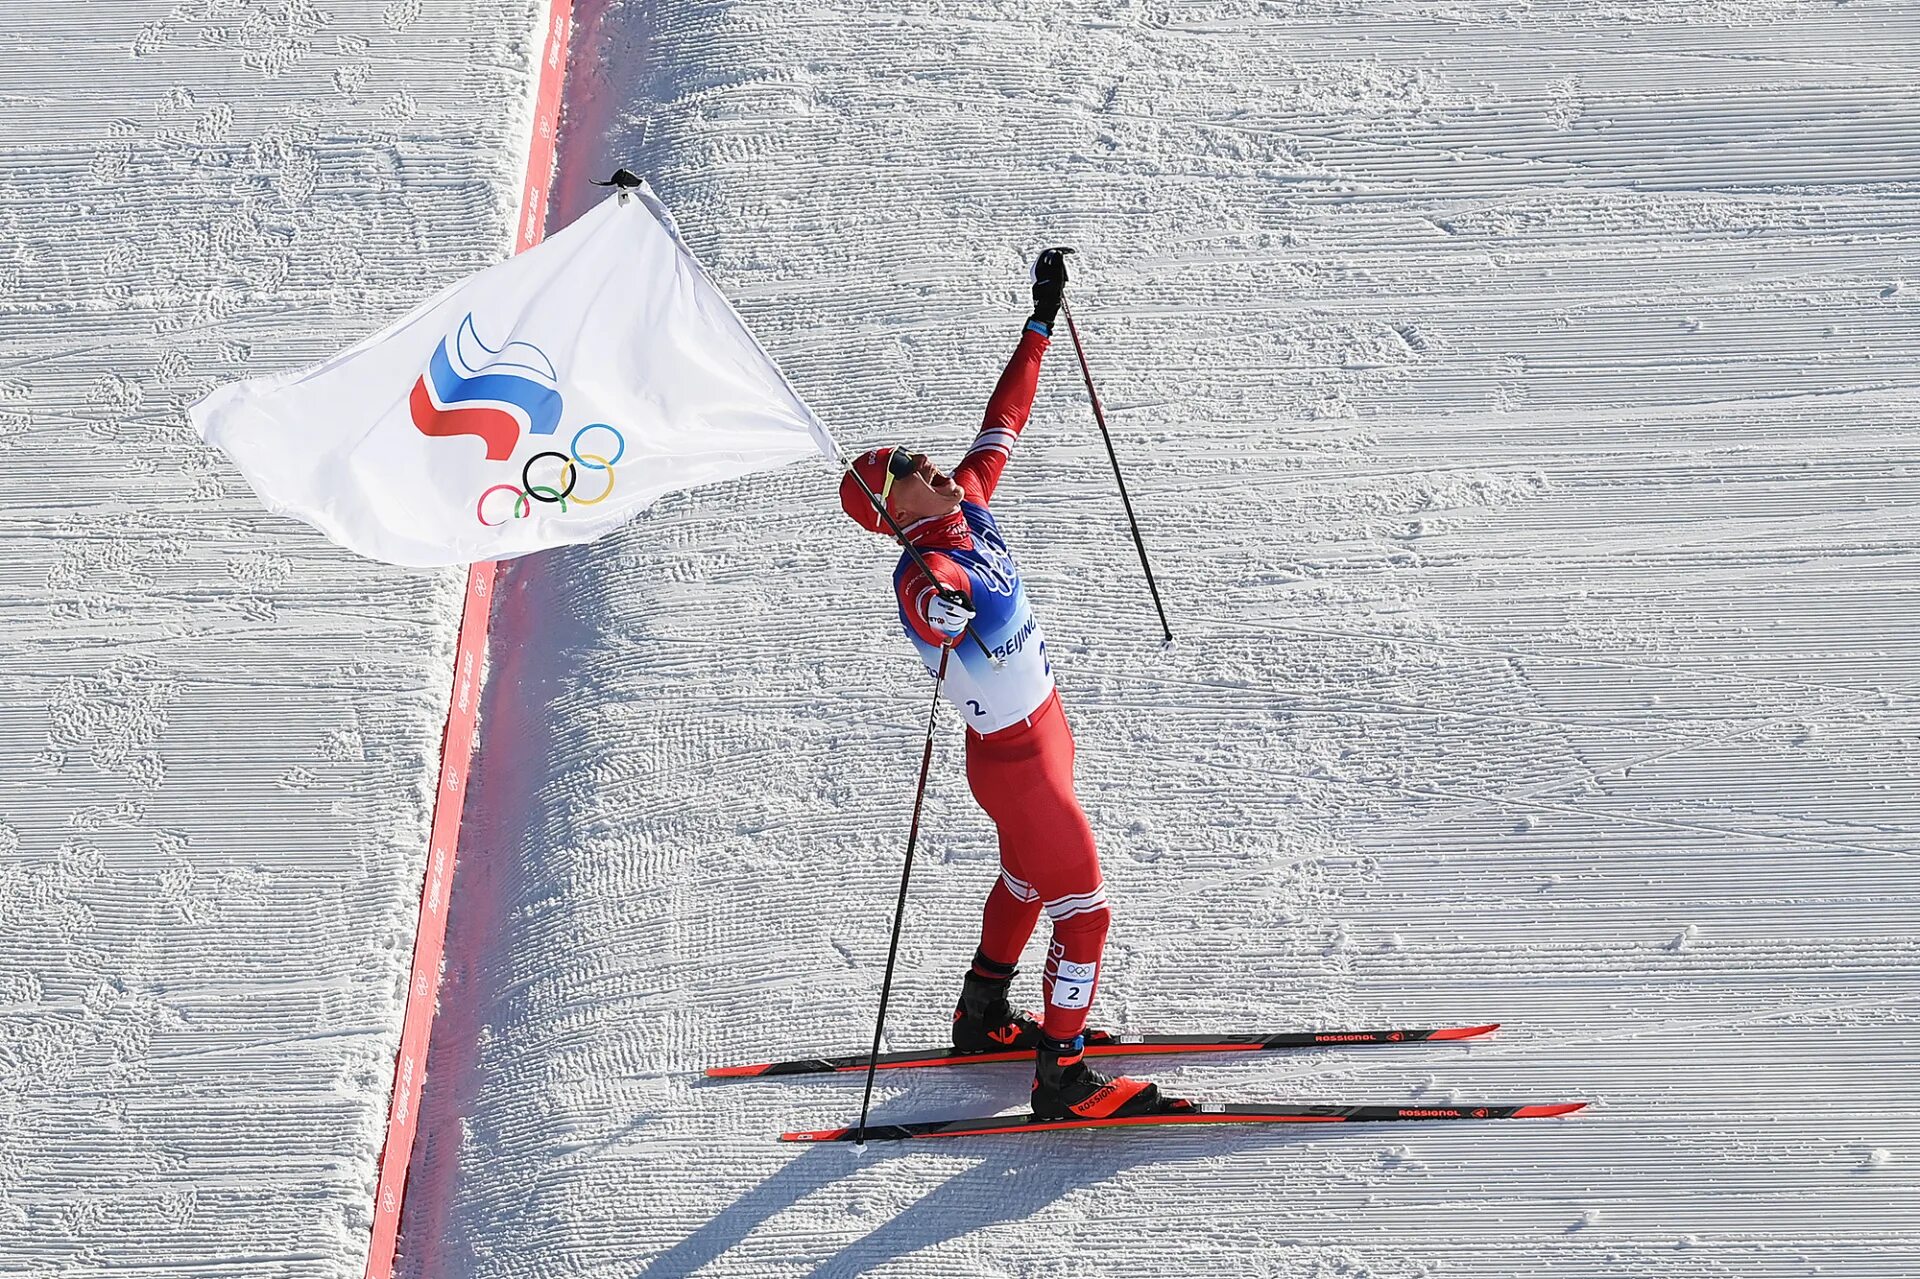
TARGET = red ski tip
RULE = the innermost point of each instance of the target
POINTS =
(735, 1072)
(1466, 1032)
(1549, 1111)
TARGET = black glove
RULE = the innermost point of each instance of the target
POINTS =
(1049, 284)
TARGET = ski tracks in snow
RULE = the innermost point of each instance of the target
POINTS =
(1515, 400)
(219, 732)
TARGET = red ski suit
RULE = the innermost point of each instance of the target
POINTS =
(1021, 770)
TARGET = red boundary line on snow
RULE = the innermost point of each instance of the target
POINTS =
(456, 749)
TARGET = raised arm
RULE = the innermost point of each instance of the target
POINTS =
(1007, 411)
(979, 473)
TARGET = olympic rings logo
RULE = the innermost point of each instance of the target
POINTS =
(564, 481)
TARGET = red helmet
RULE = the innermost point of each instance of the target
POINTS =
(877, 468)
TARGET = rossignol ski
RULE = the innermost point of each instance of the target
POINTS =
(1103, 1045)
(1189, 1113)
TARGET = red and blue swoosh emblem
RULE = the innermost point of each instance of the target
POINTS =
(473, 389)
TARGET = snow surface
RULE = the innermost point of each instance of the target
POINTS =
(1518, 398)
(217, 732)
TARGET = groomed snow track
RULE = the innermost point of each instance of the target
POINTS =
(1519, 400)
(1516, 398)
(217, 732)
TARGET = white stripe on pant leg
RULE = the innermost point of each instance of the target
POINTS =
(1020, 888)
(1079, 904)
(1063, 915)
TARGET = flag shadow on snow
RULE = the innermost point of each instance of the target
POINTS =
(1007, 1182)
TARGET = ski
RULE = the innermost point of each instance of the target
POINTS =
(1101, 1045)
(1188, 1114)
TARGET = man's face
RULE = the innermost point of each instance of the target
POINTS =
(922, 492)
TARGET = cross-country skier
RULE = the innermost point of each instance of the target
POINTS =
(1019, 749)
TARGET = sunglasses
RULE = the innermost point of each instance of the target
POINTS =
(899, 466)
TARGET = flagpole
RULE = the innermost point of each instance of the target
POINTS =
(947, 593)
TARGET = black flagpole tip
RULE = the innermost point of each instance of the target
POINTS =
(624, 179)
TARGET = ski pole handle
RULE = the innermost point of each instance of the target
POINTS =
(913, 553)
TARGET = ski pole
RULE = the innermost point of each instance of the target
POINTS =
(1100, 417)
(900, 906)
(947, 593)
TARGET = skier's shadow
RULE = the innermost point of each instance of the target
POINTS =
(1010, 1182)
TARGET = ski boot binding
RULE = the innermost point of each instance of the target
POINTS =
(984, 1022)
(1065, 1087)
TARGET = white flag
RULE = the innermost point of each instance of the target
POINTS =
(544, 401)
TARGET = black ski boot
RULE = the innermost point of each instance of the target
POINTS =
(983, 1020)
(1065, 1087)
